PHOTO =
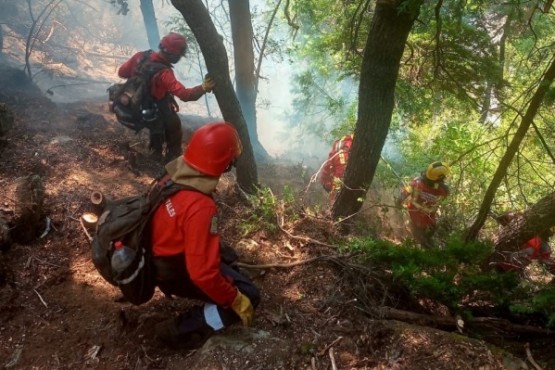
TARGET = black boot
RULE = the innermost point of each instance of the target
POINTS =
(185, 331)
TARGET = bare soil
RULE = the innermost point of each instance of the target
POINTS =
(56, 312)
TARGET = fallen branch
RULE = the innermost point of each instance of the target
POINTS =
(288, 265)
(85, 229)
(530, 358)
(303, 238)
(332, 359)
(323, 352)
(451, 324)
(47, 228)
(42, 300)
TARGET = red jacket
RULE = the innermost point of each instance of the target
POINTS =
(429, 195)
(163, 82)
(334, 168)
(185, 223)
(537, 249)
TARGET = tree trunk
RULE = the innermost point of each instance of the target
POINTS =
(527, 120)
(387, 36)
(245, 78)
(539, 217)
(196, 15)
(149, 19)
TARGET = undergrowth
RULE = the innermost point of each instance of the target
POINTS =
(453, 277)
(269, 211)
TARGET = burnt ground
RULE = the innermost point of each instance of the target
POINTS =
(56, 312)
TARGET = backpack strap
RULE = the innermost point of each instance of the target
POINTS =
(163, 187)
(146, 68)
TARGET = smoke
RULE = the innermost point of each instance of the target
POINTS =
(83, 44)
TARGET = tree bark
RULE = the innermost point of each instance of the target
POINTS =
(527, 120)
(151, 27)
(245, 78)
(211, 45)
(387, 36)
(539, 217)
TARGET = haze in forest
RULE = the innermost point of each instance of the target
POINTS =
(274, 108)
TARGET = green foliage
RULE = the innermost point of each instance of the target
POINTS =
(542, 302)
(453, 276)
(467, 57)
(267, 208)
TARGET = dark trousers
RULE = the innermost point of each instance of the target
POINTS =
(193, 319)
(166, 129)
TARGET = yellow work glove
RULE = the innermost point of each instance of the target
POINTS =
(208, 84)
(243, 308)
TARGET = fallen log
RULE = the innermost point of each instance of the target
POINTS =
(450, 323)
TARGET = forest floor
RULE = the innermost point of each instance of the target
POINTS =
(56, 311)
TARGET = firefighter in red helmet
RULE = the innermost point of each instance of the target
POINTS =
(166, 128)
(186, 245)
(422, 198)
(334, 168)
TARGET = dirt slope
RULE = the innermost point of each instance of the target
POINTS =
(56, 312)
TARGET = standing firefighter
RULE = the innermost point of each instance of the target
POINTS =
(186, 244)
(422, 197)
(334, 167)
(161, 117)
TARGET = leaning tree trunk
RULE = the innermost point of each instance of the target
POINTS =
(527, 120)
(198, 19)
(539, 217)
(245, 78)
(387, 36)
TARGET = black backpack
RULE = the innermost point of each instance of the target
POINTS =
(127, 220)
(131, 101)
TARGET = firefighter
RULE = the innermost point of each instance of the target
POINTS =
(186, 245)
(537, 248)
(422, 198)
(334, 167)
(163, 87)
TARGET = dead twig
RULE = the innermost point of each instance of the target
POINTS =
(85, 229)
(530, 358)
(332, 359)
(287, 265)
(313, 363)
(304, 238)
(329, 346)
(301, 238)
(42, 300)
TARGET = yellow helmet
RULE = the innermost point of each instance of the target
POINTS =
(438, 171)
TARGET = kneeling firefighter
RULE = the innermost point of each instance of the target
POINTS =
(186, 244)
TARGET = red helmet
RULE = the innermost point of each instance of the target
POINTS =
(173, 43)
(213, 148)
